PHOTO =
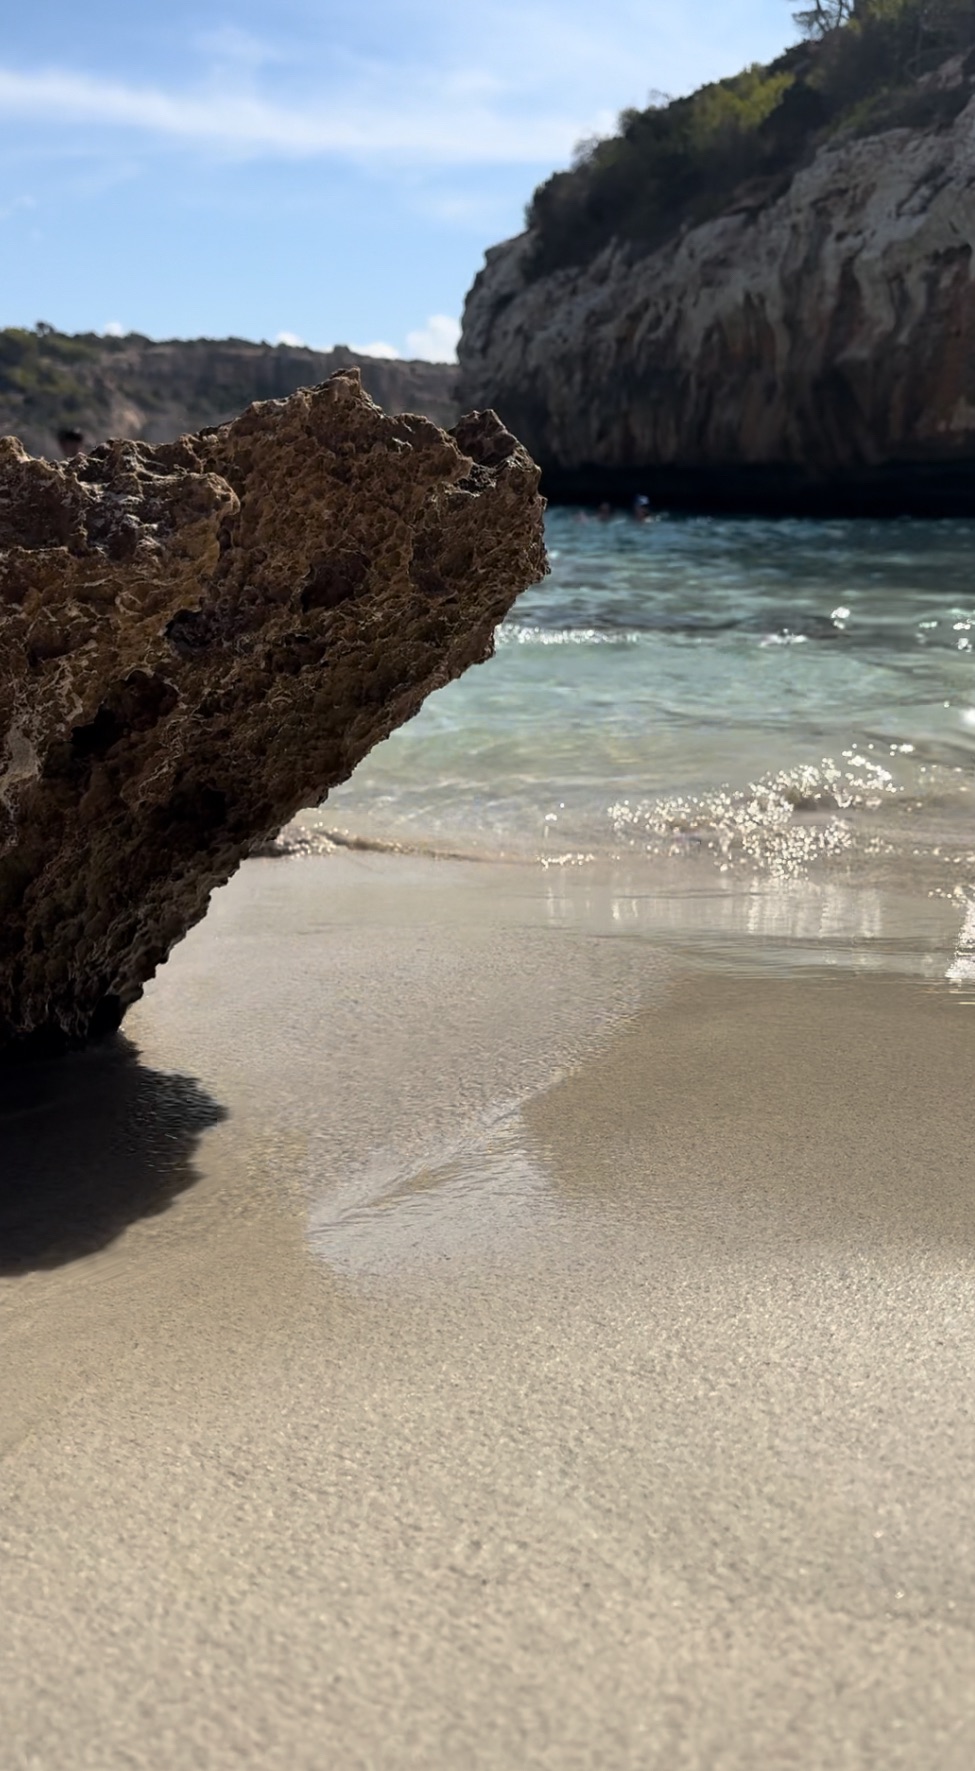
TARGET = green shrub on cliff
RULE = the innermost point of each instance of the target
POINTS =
(48, 375)
(863, 65)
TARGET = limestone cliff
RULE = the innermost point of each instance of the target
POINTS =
(156, 390)
(199, 638)
(809, 349)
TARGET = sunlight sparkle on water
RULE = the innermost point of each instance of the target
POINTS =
(769, 824)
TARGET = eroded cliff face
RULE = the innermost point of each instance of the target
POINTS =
(817, 351)
(198, 639)
(157, 390)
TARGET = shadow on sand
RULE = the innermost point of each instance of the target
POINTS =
(90, 1143)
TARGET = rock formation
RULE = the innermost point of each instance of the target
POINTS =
(815, 351)
(198, 639)
(155, 390)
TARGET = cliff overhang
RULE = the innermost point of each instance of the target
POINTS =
(810, 352)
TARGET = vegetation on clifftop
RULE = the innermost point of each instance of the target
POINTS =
(51, 379)
(54, 385)
(864, 66)
(50, 374)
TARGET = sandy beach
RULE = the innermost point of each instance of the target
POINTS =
(443, 1335)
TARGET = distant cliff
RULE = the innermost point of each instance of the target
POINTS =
(53, 382)
(768, 302)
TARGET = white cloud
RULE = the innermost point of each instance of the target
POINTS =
(288, 338)
(436, 91)
(439, 122)
(379, 349)
(114, 329)
(436, 341)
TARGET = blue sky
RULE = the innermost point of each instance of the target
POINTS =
(332, 172)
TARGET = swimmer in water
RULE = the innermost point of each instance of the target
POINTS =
(70, 440)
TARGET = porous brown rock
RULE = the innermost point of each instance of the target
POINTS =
(197, 639)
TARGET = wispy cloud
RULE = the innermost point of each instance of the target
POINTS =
(465, 126)
(379, 348)
(430, 91)
(436, 341)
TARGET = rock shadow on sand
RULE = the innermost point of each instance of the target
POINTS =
(89, 1144)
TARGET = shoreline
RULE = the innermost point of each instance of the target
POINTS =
(885, 489)
(529, 1343)
(901, 914)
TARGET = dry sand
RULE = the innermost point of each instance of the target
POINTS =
(516, 1347)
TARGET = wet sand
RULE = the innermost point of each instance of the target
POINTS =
(448, 1335)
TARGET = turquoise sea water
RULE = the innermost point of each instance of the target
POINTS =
(757, 698)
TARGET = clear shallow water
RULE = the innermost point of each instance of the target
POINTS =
(764, 701)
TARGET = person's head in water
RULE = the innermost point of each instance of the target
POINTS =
(70, 440)
(641, 507)
(604, 512)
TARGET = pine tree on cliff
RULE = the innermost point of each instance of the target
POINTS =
(824, 16)
(948, 24)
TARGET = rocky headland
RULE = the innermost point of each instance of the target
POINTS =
(785, 320)
(199, 638)
(59, 391)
